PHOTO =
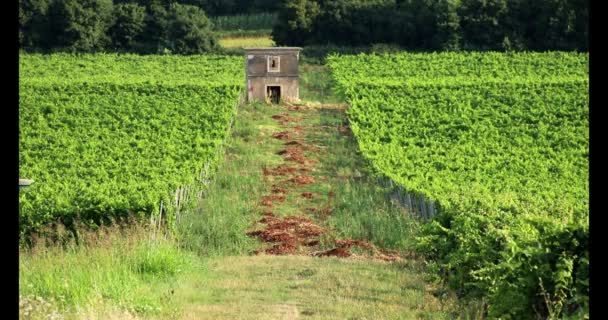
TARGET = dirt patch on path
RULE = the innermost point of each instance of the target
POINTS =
(296, 155)
(283, 135)
(279, 190)
(302, 180)
(285, 119)
(293, 233)
(303, 146)
(308, 195)
(343, 250)
(287, 234)
(268, 201)
(300, 234)
(281, 170)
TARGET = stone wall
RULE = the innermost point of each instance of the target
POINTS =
(256, 88)
(258, 76)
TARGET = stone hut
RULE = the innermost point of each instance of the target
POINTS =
(272, 74)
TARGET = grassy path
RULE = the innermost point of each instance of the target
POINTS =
(311, 235)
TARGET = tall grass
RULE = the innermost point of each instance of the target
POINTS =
(363, 211)
(218, 226)
(361, 208)
(316, 84)
(129, 269)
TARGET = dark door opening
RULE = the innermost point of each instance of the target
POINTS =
(273, 93)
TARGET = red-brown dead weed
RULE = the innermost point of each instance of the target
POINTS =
(284, 118)
(343, 247)
(295, 108)
(289, 232)
(283, 135)
(294, 154)
(282, 248)
(344, 129)
(294, 143)
(349, 243)
(335, 252)
(280, 190)
(303, 146)
(281, 170)
(325, 212)
(308, 195)
(303, 179)
(291, 152)
(267, 201)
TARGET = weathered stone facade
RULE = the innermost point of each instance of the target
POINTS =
(272, 74)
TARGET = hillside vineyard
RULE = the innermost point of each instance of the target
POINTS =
(500, 143)
(106, 136)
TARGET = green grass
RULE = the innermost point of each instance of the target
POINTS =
(218, 226)
(243, 33)
(361, 208)
(247, 41)
(275, 287)
(130, 271)
(316, 84)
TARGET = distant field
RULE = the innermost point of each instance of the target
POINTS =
(105, 136)
(243, 33)
(245, 42)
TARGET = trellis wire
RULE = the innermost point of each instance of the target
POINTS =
(182, 194)
(416, 204)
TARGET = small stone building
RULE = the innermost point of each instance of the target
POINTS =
(272, 74)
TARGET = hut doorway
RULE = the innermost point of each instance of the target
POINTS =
(273, 93)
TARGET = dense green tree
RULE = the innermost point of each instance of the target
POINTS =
(447, 25)
(355, 22)
(295, 22)
(33, 23)
(232, 7)
(155, 26)
(129, 22)
(153, 39)
(80, 25)
(413, 24)
(548, 24)
(189, 30)
(426, 24)
(561, 24)
(417, 24)
(437, 24)
(483, 24)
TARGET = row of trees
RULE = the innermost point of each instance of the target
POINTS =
(233, 7)
(143, 26)
(181, 26)
(437, 24)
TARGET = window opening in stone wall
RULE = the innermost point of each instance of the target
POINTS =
(274, 63)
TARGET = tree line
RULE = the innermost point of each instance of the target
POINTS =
(501, 25)
(182, 26)
(142, 26)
